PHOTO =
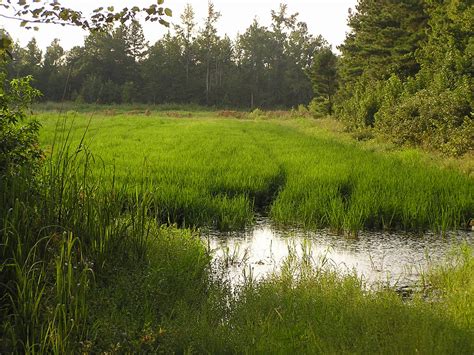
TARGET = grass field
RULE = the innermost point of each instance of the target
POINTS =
(210, 171)
(86, 267)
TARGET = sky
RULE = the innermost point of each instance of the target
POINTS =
(325, 17)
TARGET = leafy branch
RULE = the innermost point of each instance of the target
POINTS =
(34, 11)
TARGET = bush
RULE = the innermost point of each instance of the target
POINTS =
(300, 111)
(256, 114)
(440, 120)
(19, 148)
(363, 100)
(319, 107)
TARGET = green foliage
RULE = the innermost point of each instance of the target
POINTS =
(257, 114)
(435, 120)
(300, 112)
(320, 312)
(423, 97)
(32, 12)
(323, 76)
(319, 107)
(264, 67)
(18, 138)
(5, 45)
(86, 267)
(383, 39)
(359, 108)
(309, 309)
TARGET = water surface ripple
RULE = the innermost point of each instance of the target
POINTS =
(396, 259)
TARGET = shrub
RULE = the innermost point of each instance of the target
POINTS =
(19, 148)
(300, 111)
(363, 101)
(439, 120)
(319, 107)
(256, 114)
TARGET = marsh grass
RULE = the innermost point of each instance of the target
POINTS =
(310, 309)
(88, 267)
(219, 172)
(61, 235)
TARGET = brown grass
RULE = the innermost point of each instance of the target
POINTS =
(235, 114)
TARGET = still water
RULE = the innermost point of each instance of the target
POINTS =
(394, 259)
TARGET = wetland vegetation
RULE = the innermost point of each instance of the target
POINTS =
(121, 210)
(217, 172)
(134, 281)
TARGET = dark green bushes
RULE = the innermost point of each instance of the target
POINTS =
(431, 105)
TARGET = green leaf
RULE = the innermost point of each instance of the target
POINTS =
(168, 12)
(5, 42)
(160, 2)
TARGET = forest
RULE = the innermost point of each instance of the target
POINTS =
(262, 194)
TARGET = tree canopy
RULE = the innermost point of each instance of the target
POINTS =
(406, 70)
(263, 67)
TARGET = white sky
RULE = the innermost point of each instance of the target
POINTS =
(325, 17)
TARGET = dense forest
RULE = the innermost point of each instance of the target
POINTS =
(404, 69)
(263, 67)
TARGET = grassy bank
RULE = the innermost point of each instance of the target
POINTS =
(211, 171)
(318, 312)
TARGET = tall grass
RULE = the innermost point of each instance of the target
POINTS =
(311, 310)
(60, 232)
(86, 268)
(220, 172)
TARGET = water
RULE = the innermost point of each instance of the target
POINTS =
(394, 259)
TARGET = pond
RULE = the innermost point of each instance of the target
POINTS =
(394, 259)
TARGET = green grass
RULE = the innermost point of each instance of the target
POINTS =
(86, 267)
(317, 312)
(209, 171)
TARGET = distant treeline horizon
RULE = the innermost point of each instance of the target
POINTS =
(405, 69)
(263, 67)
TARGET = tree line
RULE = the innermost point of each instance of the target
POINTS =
(404, 70)
(263, 67)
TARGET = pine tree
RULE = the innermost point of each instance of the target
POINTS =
(135, 41)
(384, 37)
(323, 77)
(208, 39)
(185, 32)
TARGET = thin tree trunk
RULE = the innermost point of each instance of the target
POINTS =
(207, 82)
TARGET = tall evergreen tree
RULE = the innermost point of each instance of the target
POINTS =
(52, 77)
(255, 55)
(384, 37)
(207, 40)
(323, 76)
(186, 32)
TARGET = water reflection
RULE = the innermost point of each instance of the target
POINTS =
(396, 259)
